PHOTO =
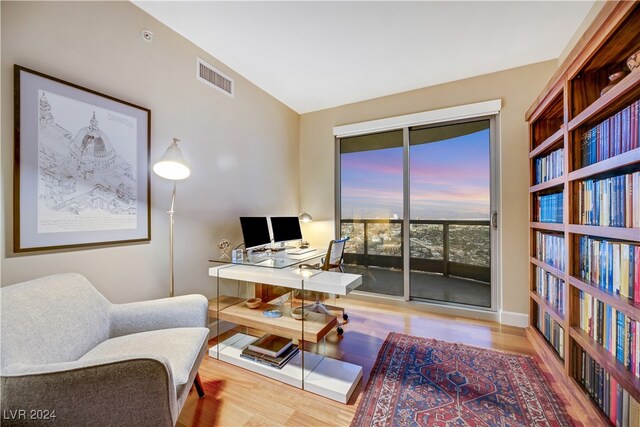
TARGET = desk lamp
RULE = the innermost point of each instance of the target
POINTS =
(173, 166)
(305, 217)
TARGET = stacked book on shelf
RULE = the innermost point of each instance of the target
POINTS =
(613, 136)
(550, 166)
(549, 207)
(550, 249)
(616, 402)
(550, 288)
(613, 330)
(271, 350)
(613, 202)
(552, 331)
(611, 266)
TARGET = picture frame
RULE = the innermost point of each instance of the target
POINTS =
(81, 169)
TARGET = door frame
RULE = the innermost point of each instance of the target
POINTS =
(488, 110)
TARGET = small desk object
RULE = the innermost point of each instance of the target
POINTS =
(273, 277)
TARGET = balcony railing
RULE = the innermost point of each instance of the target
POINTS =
(458, 248)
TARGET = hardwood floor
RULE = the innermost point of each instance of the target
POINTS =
(237, 397)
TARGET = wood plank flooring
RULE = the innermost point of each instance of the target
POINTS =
(237, 397)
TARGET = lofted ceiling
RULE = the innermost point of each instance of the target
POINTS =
(313, 55)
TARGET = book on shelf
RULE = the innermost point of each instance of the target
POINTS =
(552, 331)
(275, 362)
(550, 166)
(614, 401)
(271, 345)
(611, 266)
(611, 137)
(550, 249)
(611, 329)
(611, 202)
(549, 207)
(550, 288)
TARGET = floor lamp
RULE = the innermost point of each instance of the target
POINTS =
(173, 166)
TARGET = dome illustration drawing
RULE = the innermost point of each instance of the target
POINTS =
(92, 151)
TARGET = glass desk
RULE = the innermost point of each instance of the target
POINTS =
(274, 259)
(264, 294)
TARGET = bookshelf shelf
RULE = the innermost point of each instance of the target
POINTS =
(620, 233)
(547, 143)
(621, 160)
(552, 351)
(548, 226)
(570, 106)
(553, 312)
(626, 379)
(624, 305)
(558, 273)
(627, 90)
(555, 182)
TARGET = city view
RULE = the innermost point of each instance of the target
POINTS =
(468, 244)
(449, 198)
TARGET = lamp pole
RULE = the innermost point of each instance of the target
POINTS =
(170, 212)
(172, 166)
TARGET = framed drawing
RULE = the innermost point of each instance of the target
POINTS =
(81, 172)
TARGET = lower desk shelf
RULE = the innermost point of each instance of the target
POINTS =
(327, 377)
(314, 328)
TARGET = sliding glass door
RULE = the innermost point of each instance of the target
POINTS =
(417, 204)
(450, 199)
(371, 209)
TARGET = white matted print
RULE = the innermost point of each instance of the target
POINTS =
(81, 166)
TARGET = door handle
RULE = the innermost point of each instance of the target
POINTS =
(494, 219)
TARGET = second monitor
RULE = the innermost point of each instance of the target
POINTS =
(285, 228)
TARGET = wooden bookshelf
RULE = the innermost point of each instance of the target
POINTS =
(553, 312)
(571, 105)
(629, 158)
(555, 182)
(548, 226)
(624, 305)
(616, 369)
(550, 142)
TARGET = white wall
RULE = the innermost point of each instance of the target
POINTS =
(244, 151)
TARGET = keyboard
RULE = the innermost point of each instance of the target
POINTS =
(300, 251)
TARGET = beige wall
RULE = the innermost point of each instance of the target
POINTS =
(244, 150)
(517, 88)
(591, 15)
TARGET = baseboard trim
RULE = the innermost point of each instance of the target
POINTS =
(513, 318)
(426, 306)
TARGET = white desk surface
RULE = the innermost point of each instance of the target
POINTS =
(293, 278)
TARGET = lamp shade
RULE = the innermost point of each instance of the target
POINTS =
(172, 164)
(305, 217)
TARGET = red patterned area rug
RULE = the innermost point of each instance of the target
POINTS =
(425, 382)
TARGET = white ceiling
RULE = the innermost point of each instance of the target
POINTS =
(313, 55)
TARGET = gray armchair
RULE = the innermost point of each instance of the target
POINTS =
(66, 349)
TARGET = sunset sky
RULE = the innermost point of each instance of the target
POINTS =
(449, 180)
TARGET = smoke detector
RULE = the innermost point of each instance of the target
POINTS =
(147, 36)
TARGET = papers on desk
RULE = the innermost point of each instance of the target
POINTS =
(300, 251)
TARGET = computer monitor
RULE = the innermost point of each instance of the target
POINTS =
(285, 228)
(255, 231)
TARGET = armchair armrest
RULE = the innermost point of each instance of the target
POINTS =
(138, 391)
(179, 312)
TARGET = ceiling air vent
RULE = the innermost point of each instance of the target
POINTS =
(208, 75)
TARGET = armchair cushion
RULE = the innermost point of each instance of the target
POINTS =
(179, 346)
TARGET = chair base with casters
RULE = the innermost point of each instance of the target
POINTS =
(331, 262)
